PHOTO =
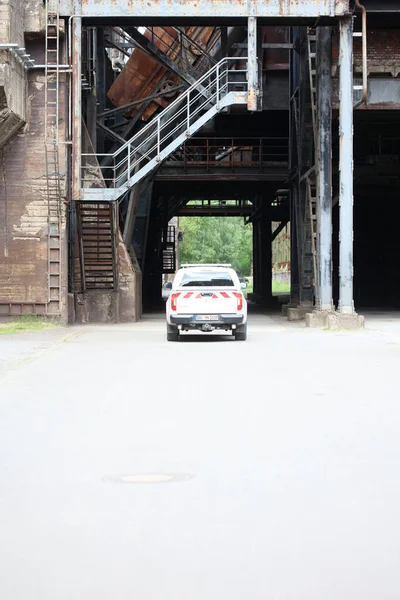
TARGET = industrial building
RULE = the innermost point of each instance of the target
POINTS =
(118, 115)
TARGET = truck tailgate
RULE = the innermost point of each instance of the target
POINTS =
(207, 302)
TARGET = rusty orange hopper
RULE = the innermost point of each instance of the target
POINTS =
(143, 76)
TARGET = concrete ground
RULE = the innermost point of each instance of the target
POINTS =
(133, 468)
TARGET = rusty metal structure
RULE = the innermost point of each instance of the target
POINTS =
(267, 110)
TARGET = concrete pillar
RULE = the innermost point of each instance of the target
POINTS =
(324, 171)
(76, 103)
(346, 304)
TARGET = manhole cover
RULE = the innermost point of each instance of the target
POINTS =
(152, 478)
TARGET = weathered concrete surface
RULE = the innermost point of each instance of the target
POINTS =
(297, 313)
(24, 203)
(292, 487)
(129, 283)
(16, 349)
(97, 306)
(12, 74)
(334, 320)
(35, 17)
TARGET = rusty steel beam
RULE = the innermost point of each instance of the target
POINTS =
(147, 46)
(279, 176)
(280, 228)
(215, 211)
(144, 100)
(207, 9)
(266, 46)
(110, 132)
(193, 43)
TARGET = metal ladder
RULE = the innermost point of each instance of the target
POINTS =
(312, 208)
(52, 85)
(311, 220)
(312, 70)
(222, 86)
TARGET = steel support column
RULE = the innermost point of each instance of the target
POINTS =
(294, 248)
(252, 64)
(346, 304)
(76, 104)
(266, 252)
(256, 250)
(134, 197)
(324, 171)
(91, 101)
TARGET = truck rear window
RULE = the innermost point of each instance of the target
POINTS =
(206, 279)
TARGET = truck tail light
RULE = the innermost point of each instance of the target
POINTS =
(174, 298)
(239, 298)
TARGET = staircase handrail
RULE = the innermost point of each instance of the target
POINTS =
(195, 86)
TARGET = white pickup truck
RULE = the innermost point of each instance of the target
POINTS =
(206, 297)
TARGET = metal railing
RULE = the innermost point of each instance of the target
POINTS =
(221, 86)
(231, 152)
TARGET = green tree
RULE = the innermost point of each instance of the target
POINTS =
(217, 240)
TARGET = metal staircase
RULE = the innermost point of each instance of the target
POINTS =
(222, 86)
(97, 225)
(168, 252)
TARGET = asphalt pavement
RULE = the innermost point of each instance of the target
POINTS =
(209, 469)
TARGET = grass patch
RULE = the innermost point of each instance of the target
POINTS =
(277, 288)
(26, 323)
(249, 288)
(280, 288)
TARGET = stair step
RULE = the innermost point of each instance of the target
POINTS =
(99, 249)
(88, 236)
(93, 251)
(97, 252)
(98, 263)
(95, 225)
(96, 230)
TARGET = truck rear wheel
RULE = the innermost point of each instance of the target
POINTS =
(172, 333)
(241, 333)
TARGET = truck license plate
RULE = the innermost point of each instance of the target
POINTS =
(207, 317)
